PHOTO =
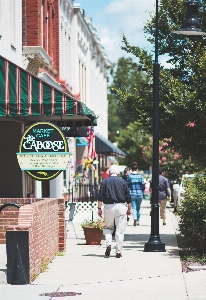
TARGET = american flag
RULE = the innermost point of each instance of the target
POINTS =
(91, 145)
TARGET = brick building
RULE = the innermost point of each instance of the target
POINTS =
(23, 97)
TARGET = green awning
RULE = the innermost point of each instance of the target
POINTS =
(25, 97)
(105, 147)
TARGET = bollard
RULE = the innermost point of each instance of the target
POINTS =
(18, 275)
(17, 245)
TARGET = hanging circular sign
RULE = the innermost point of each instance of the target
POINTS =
(43, 151)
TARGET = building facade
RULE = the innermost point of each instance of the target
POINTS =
(85, 76)
(53, 41)
(10, 48)
(10, 30)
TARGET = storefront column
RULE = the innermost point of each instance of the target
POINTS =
(38, 189)
(57, 186)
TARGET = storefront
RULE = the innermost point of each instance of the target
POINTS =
(25, 99)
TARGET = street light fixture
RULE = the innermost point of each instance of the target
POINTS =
(155, 244)
(191, 25)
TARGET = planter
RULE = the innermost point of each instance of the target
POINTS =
(93, 235)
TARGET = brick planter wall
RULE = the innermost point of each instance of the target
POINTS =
(45, 223)
(9, 215)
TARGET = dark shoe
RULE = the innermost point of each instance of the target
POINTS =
(164, 223)
(135, 223)
(118, 255)
(107, 252)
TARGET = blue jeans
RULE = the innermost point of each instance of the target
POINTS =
(136, 202)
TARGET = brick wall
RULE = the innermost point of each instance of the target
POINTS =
(56, 38)
(31, 22)
(9, 215)
(45, 223)
(40, 21)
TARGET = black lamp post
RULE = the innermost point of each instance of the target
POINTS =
(155, 244)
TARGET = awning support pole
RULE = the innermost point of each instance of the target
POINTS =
(24, 123)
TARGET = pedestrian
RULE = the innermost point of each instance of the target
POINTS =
(175, 194)
(126, 172)
(164, 194)
(136, 186)
(105, 173)
(115, 195)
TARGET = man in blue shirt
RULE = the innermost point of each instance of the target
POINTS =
(136, 186)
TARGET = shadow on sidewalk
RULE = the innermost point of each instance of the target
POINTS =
(96, 255)
(174, 253)
(169, 239)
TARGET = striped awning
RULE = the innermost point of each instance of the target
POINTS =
(24, 96)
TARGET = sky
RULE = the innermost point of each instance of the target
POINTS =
(111, 18)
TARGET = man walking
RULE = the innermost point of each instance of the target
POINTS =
(114, 193)
(164, 194)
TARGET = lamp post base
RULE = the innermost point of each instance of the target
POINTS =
(154, 245)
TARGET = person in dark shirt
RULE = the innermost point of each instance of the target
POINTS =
(164, 193)
(126, 172)
(125, 175)
(114, 193)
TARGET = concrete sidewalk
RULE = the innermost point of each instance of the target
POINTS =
(137, 275)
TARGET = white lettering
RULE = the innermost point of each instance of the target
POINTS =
(30, 143)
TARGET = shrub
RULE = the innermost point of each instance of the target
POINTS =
(193, 214)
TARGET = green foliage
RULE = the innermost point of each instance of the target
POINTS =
(44, 264)
(172, 163)
(95, 224)
(124, 128)
(59, 253)
(182, 106)
(34, 275)
(125, 76)
(193, 215)
(186, 254)
(131, 140)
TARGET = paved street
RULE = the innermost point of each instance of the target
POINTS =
(83, 269)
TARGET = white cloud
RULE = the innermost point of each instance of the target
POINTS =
(123, 16)
(128, 6)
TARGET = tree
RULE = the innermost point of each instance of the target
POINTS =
(182, 88)
(131, 140)
(124, 75)
(172, 163)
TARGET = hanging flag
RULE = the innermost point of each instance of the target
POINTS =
(91, 145)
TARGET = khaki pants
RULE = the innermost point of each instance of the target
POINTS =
(163, 204)
(115, 213)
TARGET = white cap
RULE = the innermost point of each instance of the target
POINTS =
(114, 169)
